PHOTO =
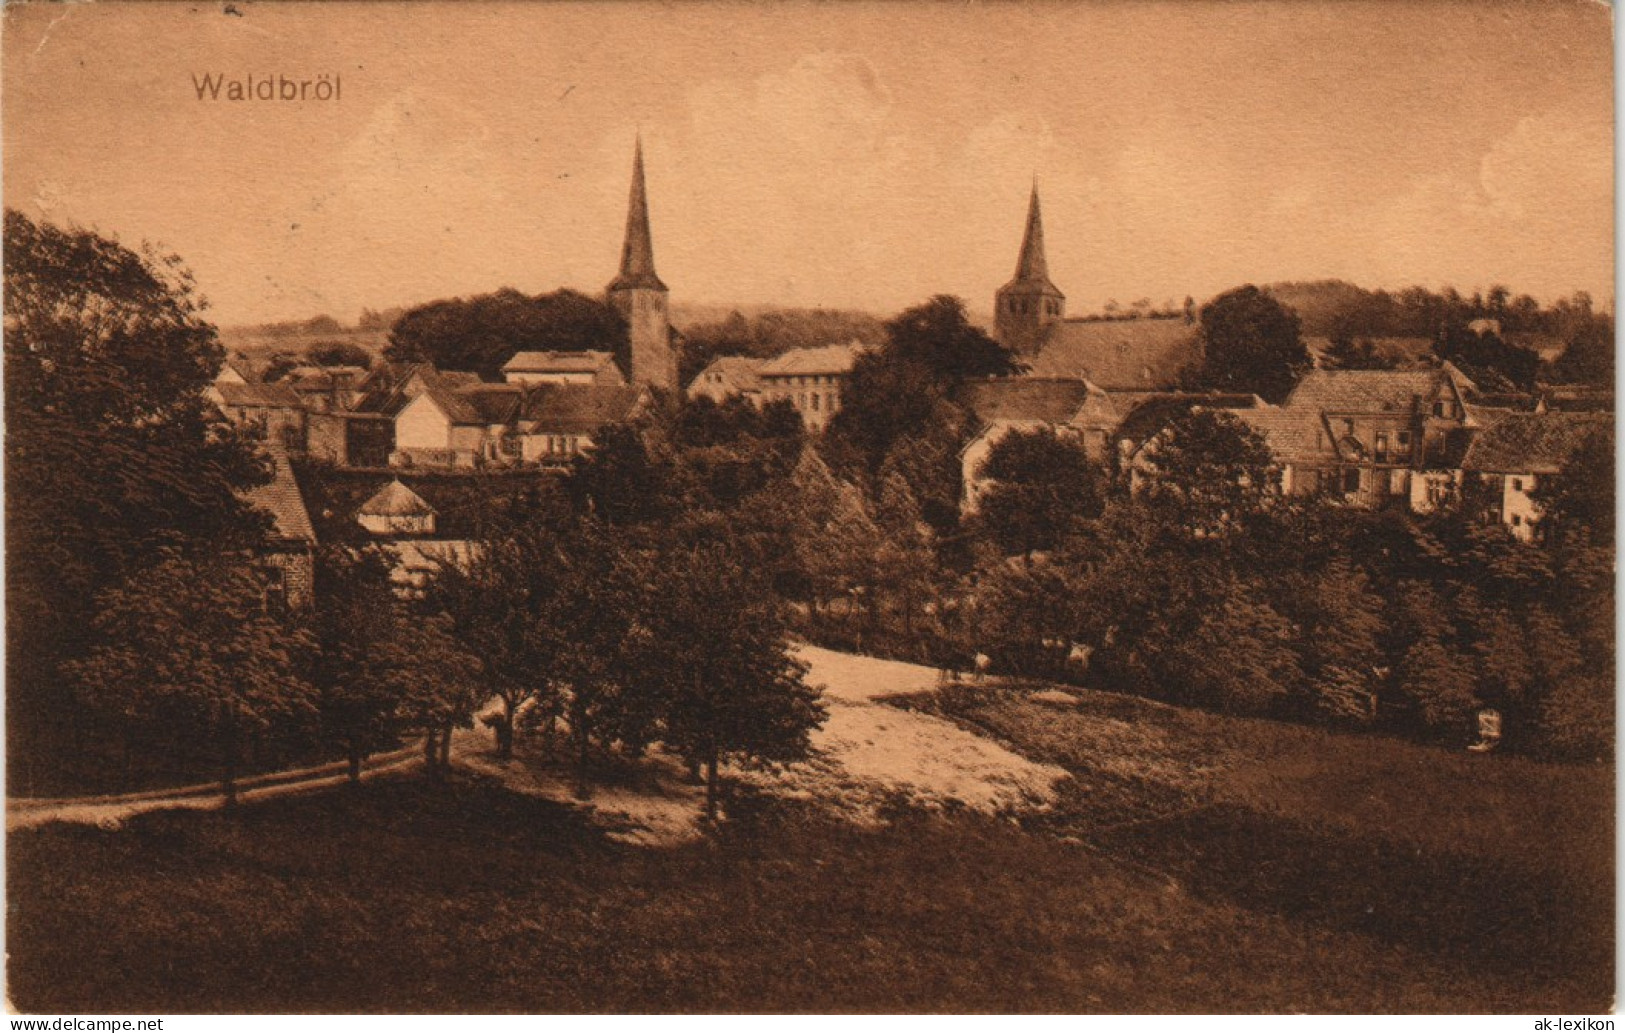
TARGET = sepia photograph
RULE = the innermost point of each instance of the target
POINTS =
(764, 508)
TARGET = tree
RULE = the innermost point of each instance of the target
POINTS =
(1252, 343)
(379, 669)
(832, 534)
(1342, 631)
(717, 644)
(1433, 674)
(481, 333)
(495, 606)
(1239, 656)
(1349, 352)
(1580, 499)
(905, 565)
(190, 641)
(622, 482)
(339, 353)
(1490, 361)
(1588, 352)
(112, 454)
(1044, 487)
(901, 388)
(1208, 472)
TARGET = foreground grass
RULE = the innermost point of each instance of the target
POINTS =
(1501, 864)
(406, 896)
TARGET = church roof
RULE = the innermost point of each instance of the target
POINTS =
(637, 250)
(1119, 353)
(396, 499)
(1032, 268)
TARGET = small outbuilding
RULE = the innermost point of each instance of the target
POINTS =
(397, 509)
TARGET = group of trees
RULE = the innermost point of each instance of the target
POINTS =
(632, 621)
(1207, 587)
(1350, 317)
(481, 333)
(116, 467)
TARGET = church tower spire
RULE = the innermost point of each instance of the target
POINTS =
(639, 296)
(1025, 307)
(637, 250)
(1032, 265)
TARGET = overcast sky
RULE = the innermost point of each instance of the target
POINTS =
(838, 155)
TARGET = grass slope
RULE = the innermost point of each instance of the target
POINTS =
(1201, 864)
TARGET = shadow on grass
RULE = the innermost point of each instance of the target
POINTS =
(1532, 919)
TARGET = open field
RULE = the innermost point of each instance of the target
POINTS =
(1195, 863)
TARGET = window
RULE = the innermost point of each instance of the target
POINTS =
(1517, 484)
(1382, 446)
(1351, 481)
(1405, 439)
(1517, 521)
(815, 401)
(276, 590)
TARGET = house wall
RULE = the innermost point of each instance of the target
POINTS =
(1518, 511)
(714, 386)
(468, 439)
(1431, 489)
(295, 566)
(422, 425)
(816, 396)
(542, 448)
(404, 523)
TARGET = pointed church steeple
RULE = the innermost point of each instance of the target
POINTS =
(1026, 307)
(637, 250)
(1032, 265)
(639, 296)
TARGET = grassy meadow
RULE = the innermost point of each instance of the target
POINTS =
(1197, 863)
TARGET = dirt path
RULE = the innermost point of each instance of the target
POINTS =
(109, 811)
(868, 750)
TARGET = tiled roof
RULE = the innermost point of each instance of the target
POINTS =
(1045, 399)
(396, 499)
(827, 359)
(1124, 353)
(737, 373)
(281, 498)
(558, 362)
(492, 403)
(1292, 435)
(1364, 391)
(1532, 442)
(270, 396)
(577, 408)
